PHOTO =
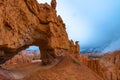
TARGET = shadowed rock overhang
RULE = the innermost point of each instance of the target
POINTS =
(26, 22)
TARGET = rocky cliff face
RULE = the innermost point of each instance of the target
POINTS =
(26, 22)
(111, 64)
(22, 58)
(108, 66)
(92, 63)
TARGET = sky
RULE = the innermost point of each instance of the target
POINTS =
(94, 23)
(33, 48)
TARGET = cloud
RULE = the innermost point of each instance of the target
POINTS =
(115, 45)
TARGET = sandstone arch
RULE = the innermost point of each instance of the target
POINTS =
(26, 22)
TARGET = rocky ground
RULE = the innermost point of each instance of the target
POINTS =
(65, 67)
(22, 58)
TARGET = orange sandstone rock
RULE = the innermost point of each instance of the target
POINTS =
(26, 22)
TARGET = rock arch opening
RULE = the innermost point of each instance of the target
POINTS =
(24, 57)
(31, 24)
(35, 50)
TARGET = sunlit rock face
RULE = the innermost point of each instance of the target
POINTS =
(23, 58)
(93, 63)
(111, 64)
(107, 66)
(26, 22)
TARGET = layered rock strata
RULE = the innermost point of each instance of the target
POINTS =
(26, 22)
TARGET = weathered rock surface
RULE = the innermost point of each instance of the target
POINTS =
(74, 48)
(23, 58)
(108, 66)
(92, 63)
(111, 64)
(25, 22)
(53, 4)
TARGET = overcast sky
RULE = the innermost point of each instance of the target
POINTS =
(92, 22)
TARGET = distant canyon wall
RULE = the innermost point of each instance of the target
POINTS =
(22, 58)
(108, 67)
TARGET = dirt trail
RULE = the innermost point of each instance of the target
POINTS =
(67, 69)
(10, 74)
(64, 68)
(20, 73)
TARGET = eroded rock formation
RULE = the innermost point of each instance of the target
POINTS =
(108, 66)
(53, 4)
(74, 48)
(111, 64)
(92, 63)
(23, 58)
(26, 22)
